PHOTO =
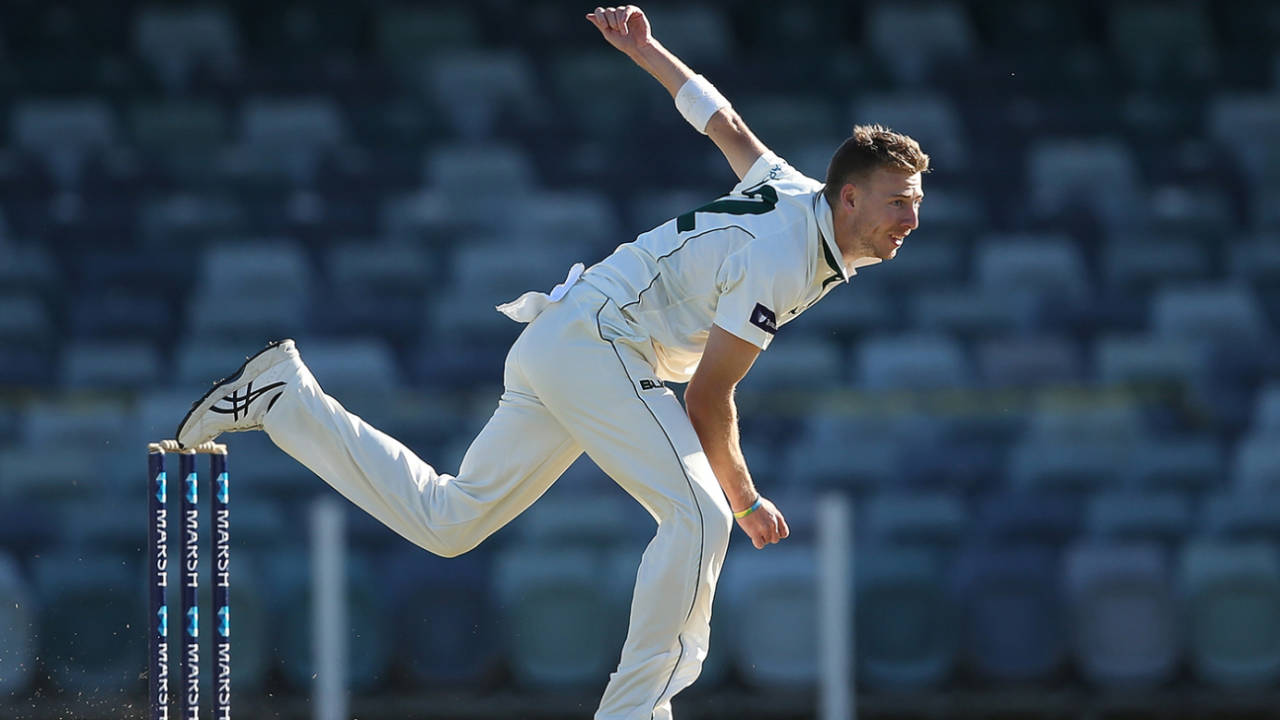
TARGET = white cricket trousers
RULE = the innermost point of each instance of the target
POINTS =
(573, 383)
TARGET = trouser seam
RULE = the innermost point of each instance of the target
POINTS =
(693, 602)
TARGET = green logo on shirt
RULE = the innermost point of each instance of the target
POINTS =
(764, 200)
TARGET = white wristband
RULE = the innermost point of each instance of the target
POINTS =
(698, 100)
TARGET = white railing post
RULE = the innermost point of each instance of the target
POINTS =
(837, 699)
(329, 626)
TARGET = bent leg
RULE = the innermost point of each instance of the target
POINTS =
(515, 458)
(669, 632)
(641, 436)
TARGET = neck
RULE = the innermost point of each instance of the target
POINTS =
(852, 252)
(852, 249)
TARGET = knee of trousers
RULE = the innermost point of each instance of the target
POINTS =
(449, 542)
(709, 517)
(447, 551)
(721, 525)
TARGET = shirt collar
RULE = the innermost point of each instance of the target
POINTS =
(827, 233)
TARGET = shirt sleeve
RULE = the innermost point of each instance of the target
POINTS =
(768, 168)
(755, 288)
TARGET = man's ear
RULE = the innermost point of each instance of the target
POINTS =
(848, 195)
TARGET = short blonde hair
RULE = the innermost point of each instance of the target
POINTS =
(869, 148)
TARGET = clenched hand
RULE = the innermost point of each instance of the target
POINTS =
(626, 28)
(765, 526)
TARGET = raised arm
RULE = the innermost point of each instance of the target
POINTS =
(627, 29)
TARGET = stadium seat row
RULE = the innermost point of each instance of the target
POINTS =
(1123, 615)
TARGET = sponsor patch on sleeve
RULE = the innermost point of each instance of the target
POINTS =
(763, 318)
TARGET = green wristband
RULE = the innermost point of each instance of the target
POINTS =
(754, 507)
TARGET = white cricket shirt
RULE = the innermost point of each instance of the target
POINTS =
(749, 262)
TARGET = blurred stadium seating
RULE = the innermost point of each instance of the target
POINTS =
(1058, 411)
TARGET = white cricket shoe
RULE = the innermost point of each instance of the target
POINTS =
(239, 402)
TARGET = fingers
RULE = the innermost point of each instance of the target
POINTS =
(770, 529)
(618, 19)
(612, 18)
(764, 533)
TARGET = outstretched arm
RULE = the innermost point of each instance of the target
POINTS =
(627, 29)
